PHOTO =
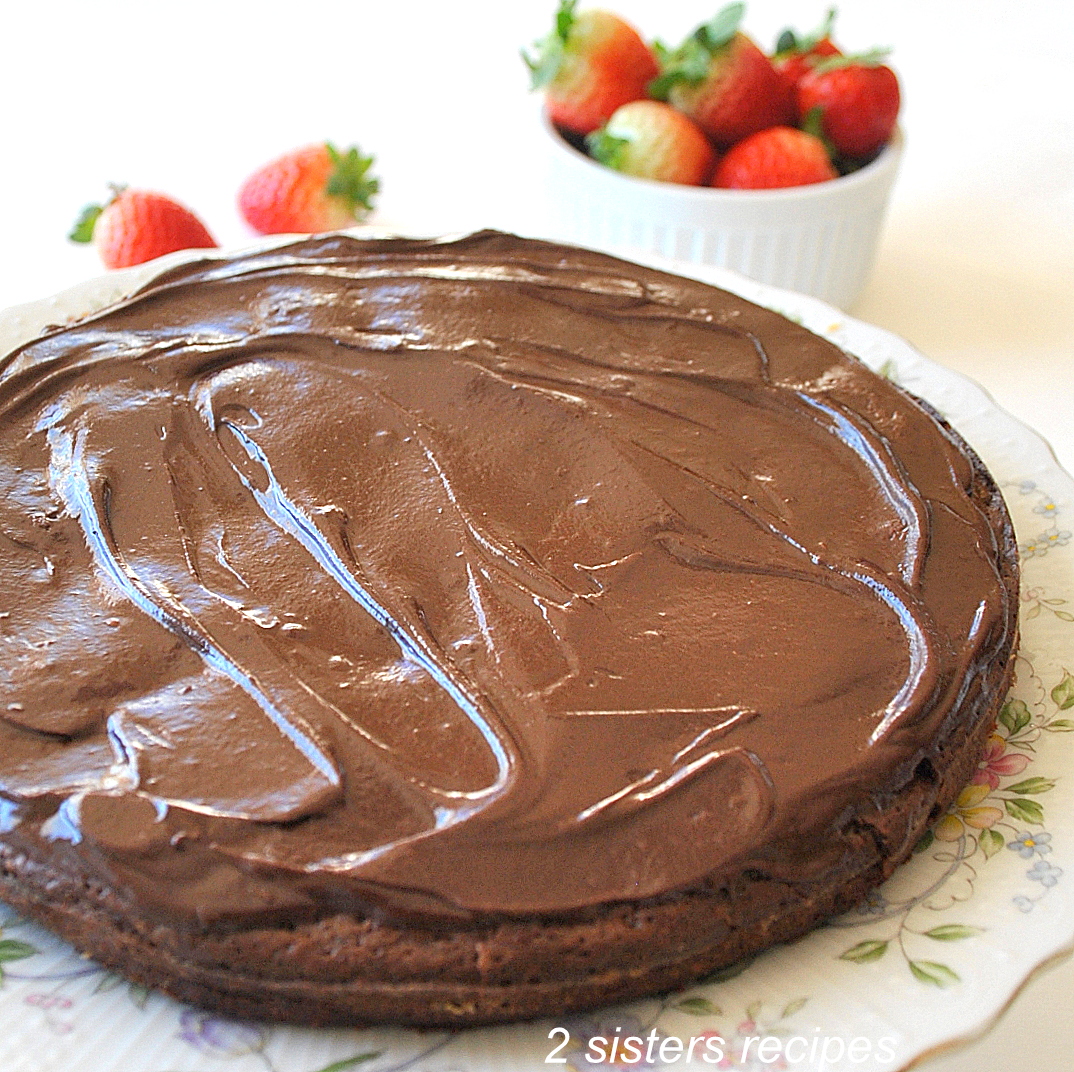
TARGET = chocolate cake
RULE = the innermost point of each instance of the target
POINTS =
(450, 632)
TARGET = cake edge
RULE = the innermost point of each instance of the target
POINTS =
(595, 961)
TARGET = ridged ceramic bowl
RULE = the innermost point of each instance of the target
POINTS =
(819, 240)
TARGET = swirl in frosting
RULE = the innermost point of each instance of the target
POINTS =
(456, 578)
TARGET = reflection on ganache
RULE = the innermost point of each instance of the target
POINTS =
(446, 567)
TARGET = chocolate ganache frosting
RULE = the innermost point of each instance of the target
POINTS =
(463, 579)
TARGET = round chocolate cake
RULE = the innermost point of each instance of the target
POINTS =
(449, 632)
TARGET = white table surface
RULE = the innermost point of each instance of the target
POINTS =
(976, 265)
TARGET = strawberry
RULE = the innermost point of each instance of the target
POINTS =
(723, 81)
(653, 141)
(138, 225)
(317, 188)
(589, 65)
(797, 53)
(854, 100)
(777, 157)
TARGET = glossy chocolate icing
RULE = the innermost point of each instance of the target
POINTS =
(448, 579)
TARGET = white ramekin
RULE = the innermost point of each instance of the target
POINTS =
(819, 240)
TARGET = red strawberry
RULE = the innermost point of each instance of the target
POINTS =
(138, 225)
(653, 141)
(796, 54)
(777, 157)
(856, 100)
(723, 81)
(589, 65)
(317, 188)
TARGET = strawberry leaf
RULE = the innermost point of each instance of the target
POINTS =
(787, 42)
(721, 27)
(824, 30)
(813, 122)
(688, 63)
(565, 18)
(547, 59)
(791, 42)
(87, 220)
(875, 57)
(606, 148)
(350, 180)
(691, 60)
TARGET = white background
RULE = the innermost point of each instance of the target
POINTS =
(976, 266)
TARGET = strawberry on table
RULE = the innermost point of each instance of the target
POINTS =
(589, 65)
(653, 141)
(774, 158)
(853, 100)
(138, 225)
(796, 54)
(723, 81)
(316, 188)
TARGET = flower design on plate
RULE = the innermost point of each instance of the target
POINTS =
(1046, 507)
(13, 949)
(1037, 603)
(1045, 873)
(756, 1041)
(997, 762)
(968, 811)
(972, 832)
(1039, 546)
(1028, 844)
(224, 1038)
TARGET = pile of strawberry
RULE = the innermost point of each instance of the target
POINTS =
(715, 111)
(315, 188)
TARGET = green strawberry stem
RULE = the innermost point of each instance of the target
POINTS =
(789, 41)
(721, 27)
(88, 217)
(350, 180)
(606, 148)
(547, 59)
(690, 61)
(565, 18)
(87, 220)
(874, 57)
(813, 123)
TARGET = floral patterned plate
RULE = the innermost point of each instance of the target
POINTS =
(930, 958)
